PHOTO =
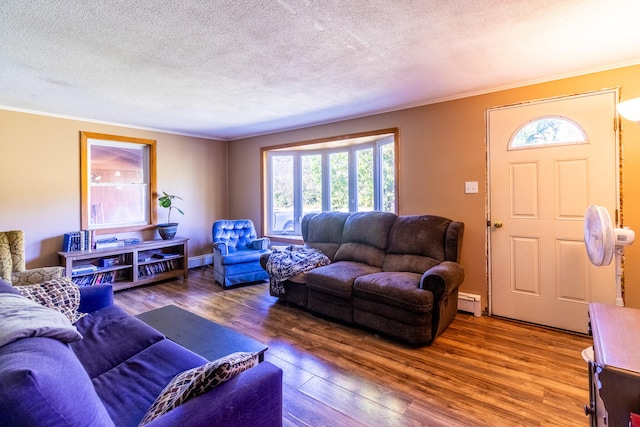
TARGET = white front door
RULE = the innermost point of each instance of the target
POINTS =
(538, 194)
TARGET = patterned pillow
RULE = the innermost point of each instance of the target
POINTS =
(59, 294)
(197, 381)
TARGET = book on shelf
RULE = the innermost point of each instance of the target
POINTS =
(99, 277)
(158, 267)
(109, 261)
(109, 243)
(165, 256)
(81, 240)
(83, 269)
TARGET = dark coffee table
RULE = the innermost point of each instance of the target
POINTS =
(200, 335)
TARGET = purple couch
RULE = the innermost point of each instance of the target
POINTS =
(115, 372)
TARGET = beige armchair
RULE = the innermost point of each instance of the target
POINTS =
(12, 262)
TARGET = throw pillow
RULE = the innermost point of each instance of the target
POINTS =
(23, 318)
(59, 294)
(197, 381)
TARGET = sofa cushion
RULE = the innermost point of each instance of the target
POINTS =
(370, 228)
(23, 318)
(398, 289)
(323, 231)
(95, 297)
(111, 336)
(365, 237)
(325, 227)
(337, 278)
(406, 262)
(199, 380)
(42, 383)
(422, 235)
(129, 389)
(359, 252)
(58, 294)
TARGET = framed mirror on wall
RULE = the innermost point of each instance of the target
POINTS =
(118, 180)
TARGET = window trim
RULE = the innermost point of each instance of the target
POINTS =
(85, 170)
(334, 143)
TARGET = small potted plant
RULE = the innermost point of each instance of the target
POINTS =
(168, 231)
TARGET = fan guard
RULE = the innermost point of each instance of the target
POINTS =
(603, 241)
(598, 235)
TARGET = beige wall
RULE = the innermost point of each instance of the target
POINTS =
(40, 181)
(441, 147)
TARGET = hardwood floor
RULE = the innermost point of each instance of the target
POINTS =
(479, 372)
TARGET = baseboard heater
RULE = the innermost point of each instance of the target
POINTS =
(469, 303)
(200, 260)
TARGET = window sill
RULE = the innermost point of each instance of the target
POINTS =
(286, 239)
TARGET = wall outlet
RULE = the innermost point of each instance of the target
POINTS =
(471, 187)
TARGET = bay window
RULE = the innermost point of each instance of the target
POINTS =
(348, 174)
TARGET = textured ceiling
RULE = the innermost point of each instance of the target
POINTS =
(230, 69)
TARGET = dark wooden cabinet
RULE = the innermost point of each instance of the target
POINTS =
(614, 372)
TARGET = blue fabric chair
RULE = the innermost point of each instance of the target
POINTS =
(237, 251)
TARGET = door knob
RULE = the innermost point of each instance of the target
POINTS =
(497, 224)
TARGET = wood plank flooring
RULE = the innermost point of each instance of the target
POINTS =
(479, 372)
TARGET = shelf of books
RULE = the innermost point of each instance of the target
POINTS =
(128, 265)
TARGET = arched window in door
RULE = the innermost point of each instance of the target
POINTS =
(547, 131)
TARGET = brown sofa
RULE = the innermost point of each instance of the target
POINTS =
(398, 275)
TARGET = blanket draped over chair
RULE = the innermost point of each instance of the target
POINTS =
(290, 261)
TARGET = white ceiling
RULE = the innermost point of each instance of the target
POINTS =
(228, 69)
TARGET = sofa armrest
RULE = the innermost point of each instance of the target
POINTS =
(264, 258)
(442, 279)
(261, 244)
(36, 275)
(93, 298)
(251, 398)
(221, 247)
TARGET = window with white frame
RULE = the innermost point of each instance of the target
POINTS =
(348, 174)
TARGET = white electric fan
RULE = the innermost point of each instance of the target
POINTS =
(603, 241)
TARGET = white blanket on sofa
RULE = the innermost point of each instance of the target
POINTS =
(22, 318)
(290, 261)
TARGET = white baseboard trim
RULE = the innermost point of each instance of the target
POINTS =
(200, 260)
(470, 303)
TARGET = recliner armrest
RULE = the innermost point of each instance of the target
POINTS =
(443, 278)
(222, 247)
(261, 244)
(93, 298)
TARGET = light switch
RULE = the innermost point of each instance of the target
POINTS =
(471, 187)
